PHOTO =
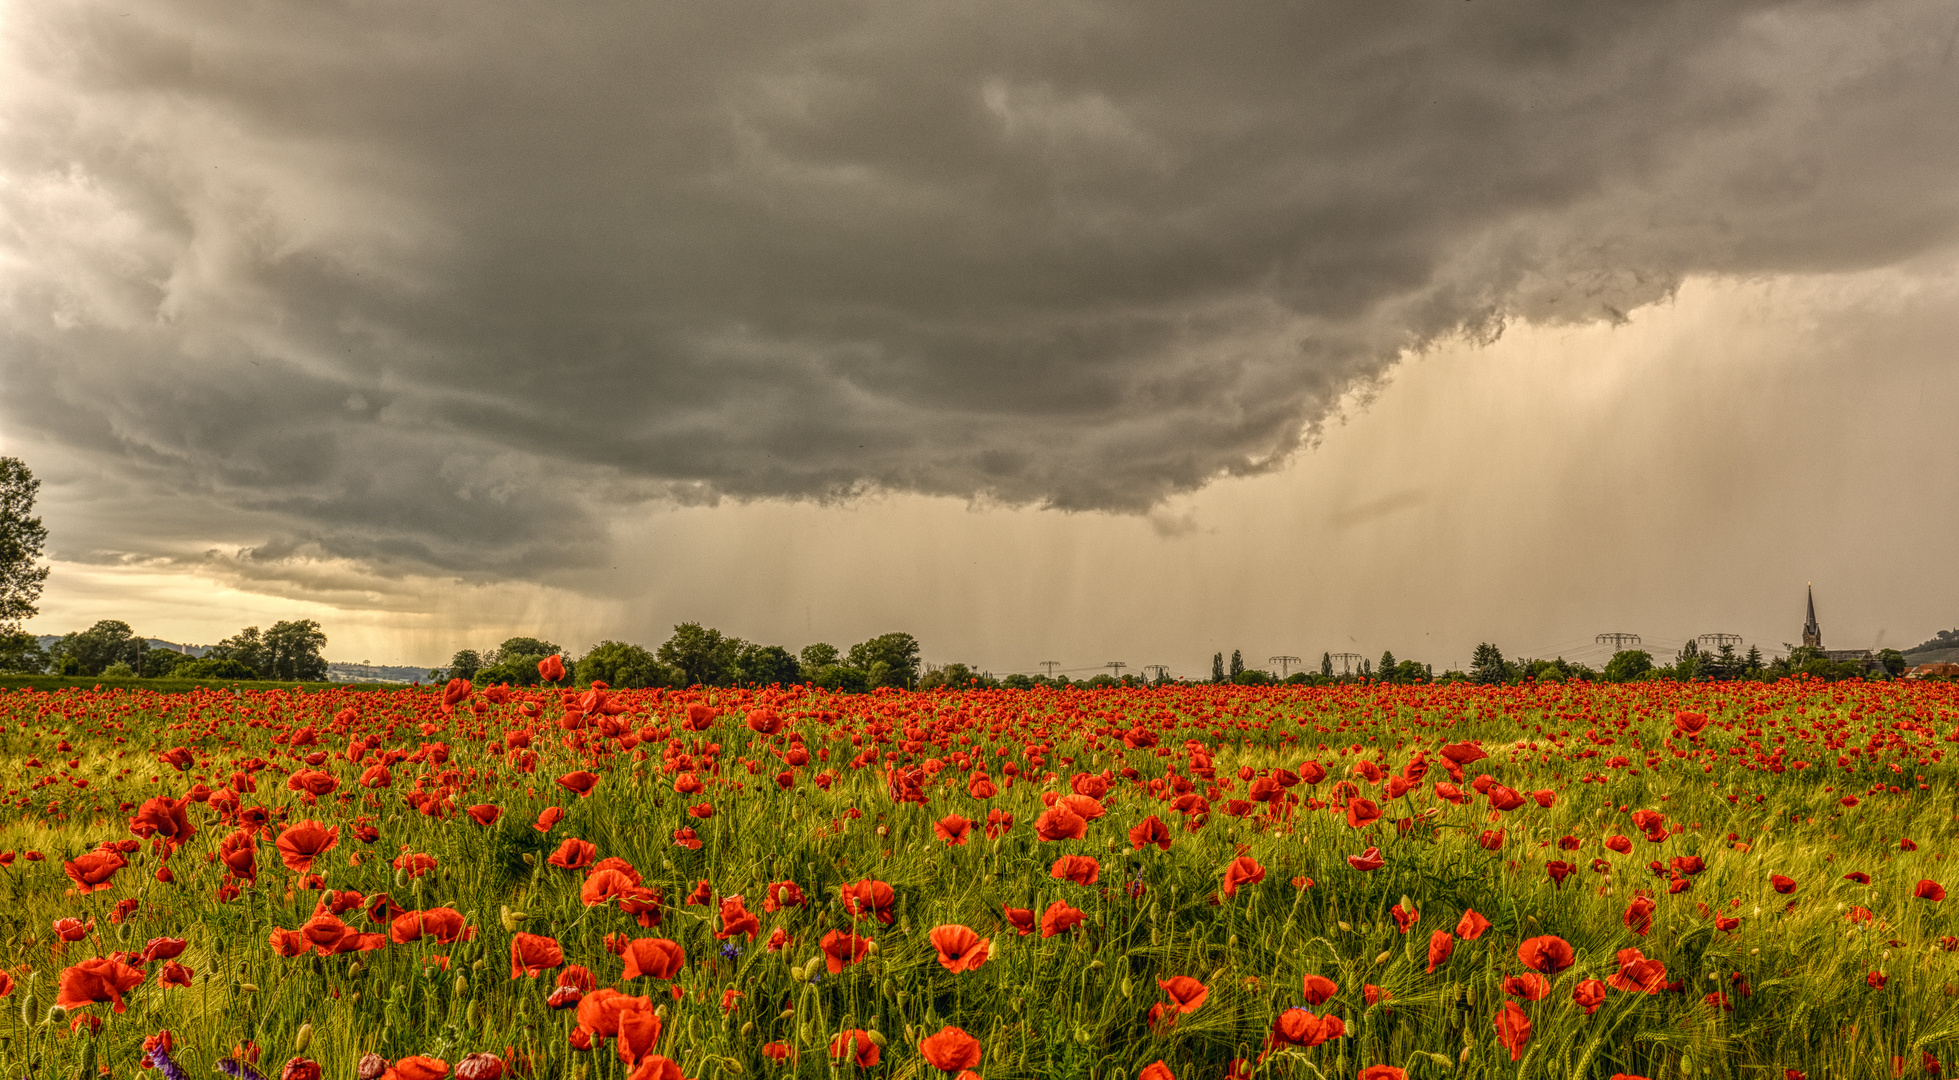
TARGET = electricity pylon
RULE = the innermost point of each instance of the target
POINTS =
(1715, 641)
(1116, 666)
(1282, 661)
(1347, 661)
(1617, 641)
(1050, 665)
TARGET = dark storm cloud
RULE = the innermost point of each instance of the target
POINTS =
(434, 285)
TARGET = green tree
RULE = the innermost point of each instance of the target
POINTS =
(896, 652)
(296, 651)
(702, 655)
(215, 667)
(515, 662)
(1628, 664)
(465, 664)
(1018, 681)
(246, 647)
(1487, 666)
(766, 665)
(163, 663)
(820, 655)
(1237, 664)
(616, 663)
(1387, 666)
(1326, 665)
(1894, 661)
(88, 652)
(843, 679)
(1217, 667)
(21, 540)
(512, 648)
(1752, 663)
(20, 651)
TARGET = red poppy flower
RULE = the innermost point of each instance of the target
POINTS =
(1588, 995)
(1549, 954)
(869, 898)
(951, 1050)
(1021, 919)
(1530, 986)
(781, 894)
(552, 668)
(165, 819)
(1440, 946)
(574, 854)
(485, 814)
(854, 1047)
(72, 929)
(580, 783)
(1404, 919)
(1782, 884)
(94, 871)
(639, 1030)
(1639, 915)
(960, 949)
(737, 920)
(841, 950)
(1319, 989)
(1620, 844)
(1367, 860)
(97, 979)
(1471, 925)
(1929, 890)
(1512, 1029)
(1060, 823)
(1059, 917)
(533, 954)
(1186, 994)
(952, 829)
(1638, 973)
(1244, 870)
(1080, 869)
(1362, 812)
(1298, 1027)
(653, 958)
(302, 843)
(1149, 831)
(549, 818)
(417, 1067)
(443, 924)
(1156, 1070)
(1383, 1072)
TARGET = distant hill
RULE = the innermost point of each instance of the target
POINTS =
(48, 640)
(1941, 648)
(340, 671)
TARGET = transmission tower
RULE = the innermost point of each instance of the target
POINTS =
(1157, 671)
(1050, 665)
(1347, 660)
(1617, 641)
(1282, 661)
(1116, 666)
(1715, 641)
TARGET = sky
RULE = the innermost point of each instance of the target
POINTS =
(1083, 332)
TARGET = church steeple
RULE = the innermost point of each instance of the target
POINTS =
(1812, 633)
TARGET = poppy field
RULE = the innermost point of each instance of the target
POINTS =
(1573, 880)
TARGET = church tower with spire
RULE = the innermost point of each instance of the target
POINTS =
(1812, 633)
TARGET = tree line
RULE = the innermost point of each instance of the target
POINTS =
(291, 651)
(697, 655)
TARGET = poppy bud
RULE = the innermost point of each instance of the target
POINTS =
(56, 1014)
(371, 1067)
(303, 1039)
(479, 1067)
(876, 1037)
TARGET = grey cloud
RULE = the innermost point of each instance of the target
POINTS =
(431, 286)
